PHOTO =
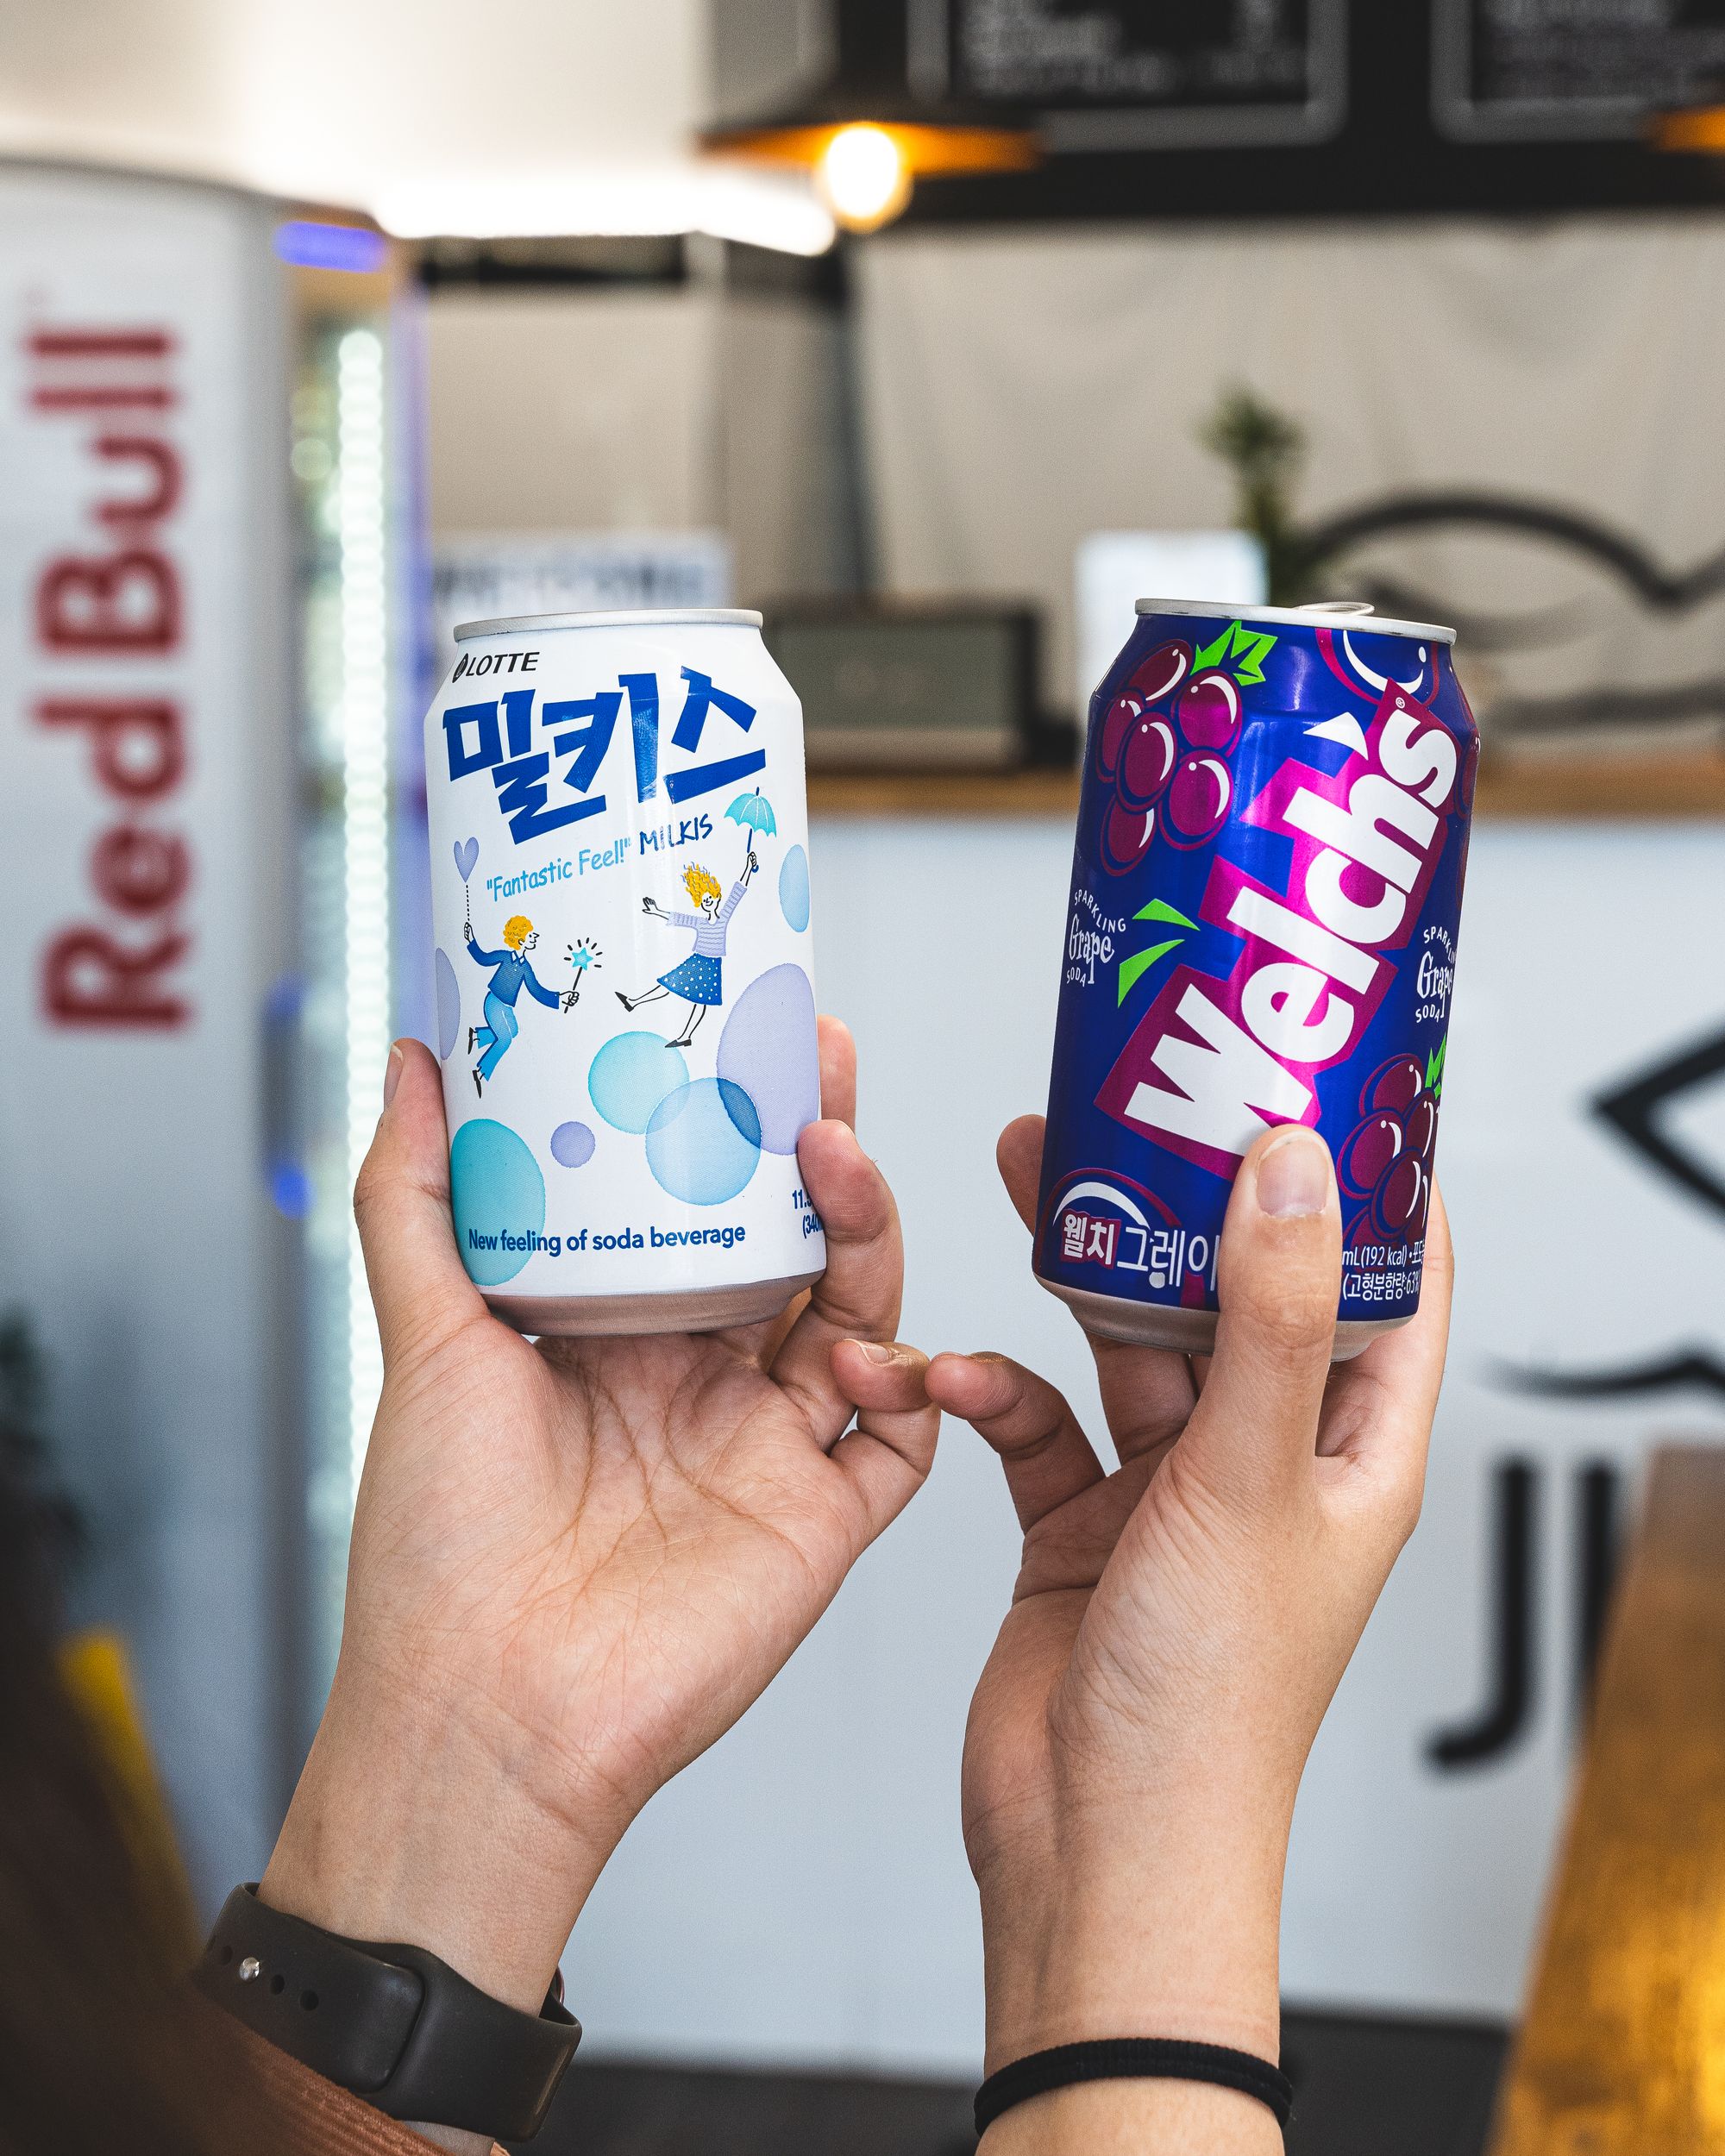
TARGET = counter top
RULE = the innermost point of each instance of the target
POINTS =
(1686, 782)
(1623, 2050)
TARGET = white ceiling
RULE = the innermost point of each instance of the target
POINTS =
(518, 116)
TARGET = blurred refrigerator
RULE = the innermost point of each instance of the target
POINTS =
(210, 605)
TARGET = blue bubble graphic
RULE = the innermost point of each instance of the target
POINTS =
(572, 1145)
(449, 1006)
(498, 1191)
(631, 1075)
(769, 1048)
(704, 1142)
(794, 888)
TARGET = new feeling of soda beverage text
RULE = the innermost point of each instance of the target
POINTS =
(1266, 891)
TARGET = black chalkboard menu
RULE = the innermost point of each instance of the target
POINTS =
(1531, 70)
(1139, 74)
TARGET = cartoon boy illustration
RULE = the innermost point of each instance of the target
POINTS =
(513, 972)
(700, 978)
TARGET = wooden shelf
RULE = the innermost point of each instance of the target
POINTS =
(1620, 2054)
(1683, 783)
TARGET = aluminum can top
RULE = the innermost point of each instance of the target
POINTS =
(1327, 614)
(623, 617)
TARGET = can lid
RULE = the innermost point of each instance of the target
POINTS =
(624, 617)
(1340, 613)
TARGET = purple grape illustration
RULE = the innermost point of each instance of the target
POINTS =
(1399, 1198)
(1421, 1126)
(1125, 836)
(1367, 1155)
(1147, 763)
(1209, 712)
(1198, 799)
(1165, 741)
(1393, 1087)
(1122, 715)
(1159, 673)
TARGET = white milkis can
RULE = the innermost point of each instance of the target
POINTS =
(625, 990)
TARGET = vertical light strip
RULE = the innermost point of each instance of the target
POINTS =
(362, 526)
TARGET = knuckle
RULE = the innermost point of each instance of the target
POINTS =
(371, 1189)
(1287, 1322)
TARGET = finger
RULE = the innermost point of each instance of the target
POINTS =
(401, 1201)
(858, 1297)
(1019, 1157)
(887, 1457)
(1377, 1424)
(837, 1071)
(1255, 1426)
(1147, 1393)
(1048, 1459)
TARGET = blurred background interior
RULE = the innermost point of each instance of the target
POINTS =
(940, 329)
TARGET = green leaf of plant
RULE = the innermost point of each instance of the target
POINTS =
(1133, 969)
(1434, 1067)
(1159, 909)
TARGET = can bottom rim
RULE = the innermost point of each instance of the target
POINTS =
(1189, 1331)
(610, 1317)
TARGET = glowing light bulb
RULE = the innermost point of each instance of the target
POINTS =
(862, 178)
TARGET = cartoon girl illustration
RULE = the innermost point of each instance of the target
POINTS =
(700, 978)
(513, 972)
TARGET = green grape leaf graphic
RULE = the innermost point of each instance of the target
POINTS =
(1133, 969)
(1434, 1069)
(1241, 650)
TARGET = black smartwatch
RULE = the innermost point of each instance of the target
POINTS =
(391, 2023)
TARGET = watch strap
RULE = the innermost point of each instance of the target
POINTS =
(389, 2021)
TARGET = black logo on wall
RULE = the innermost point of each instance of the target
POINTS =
(1634, 1109)
(1506, 1715)
(1628, 565)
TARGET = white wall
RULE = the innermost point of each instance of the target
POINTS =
(1023, 387)
(656, 409)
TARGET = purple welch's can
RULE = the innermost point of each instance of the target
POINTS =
(1266, 889)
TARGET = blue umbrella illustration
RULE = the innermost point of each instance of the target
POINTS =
(755, 812)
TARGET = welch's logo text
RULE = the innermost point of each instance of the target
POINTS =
(1213, 1061)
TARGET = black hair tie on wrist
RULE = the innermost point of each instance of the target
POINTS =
(1132, 2059)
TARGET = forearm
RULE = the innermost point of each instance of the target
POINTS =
(399, 1830)
(1136, 2118)
(1138, 1927)
(1146, 1927)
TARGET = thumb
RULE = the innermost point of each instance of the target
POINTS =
(419, 1286)
(1255, 1427)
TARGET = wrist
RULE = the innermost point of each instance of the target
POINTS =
(401, 1829)
(1165, 1929)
